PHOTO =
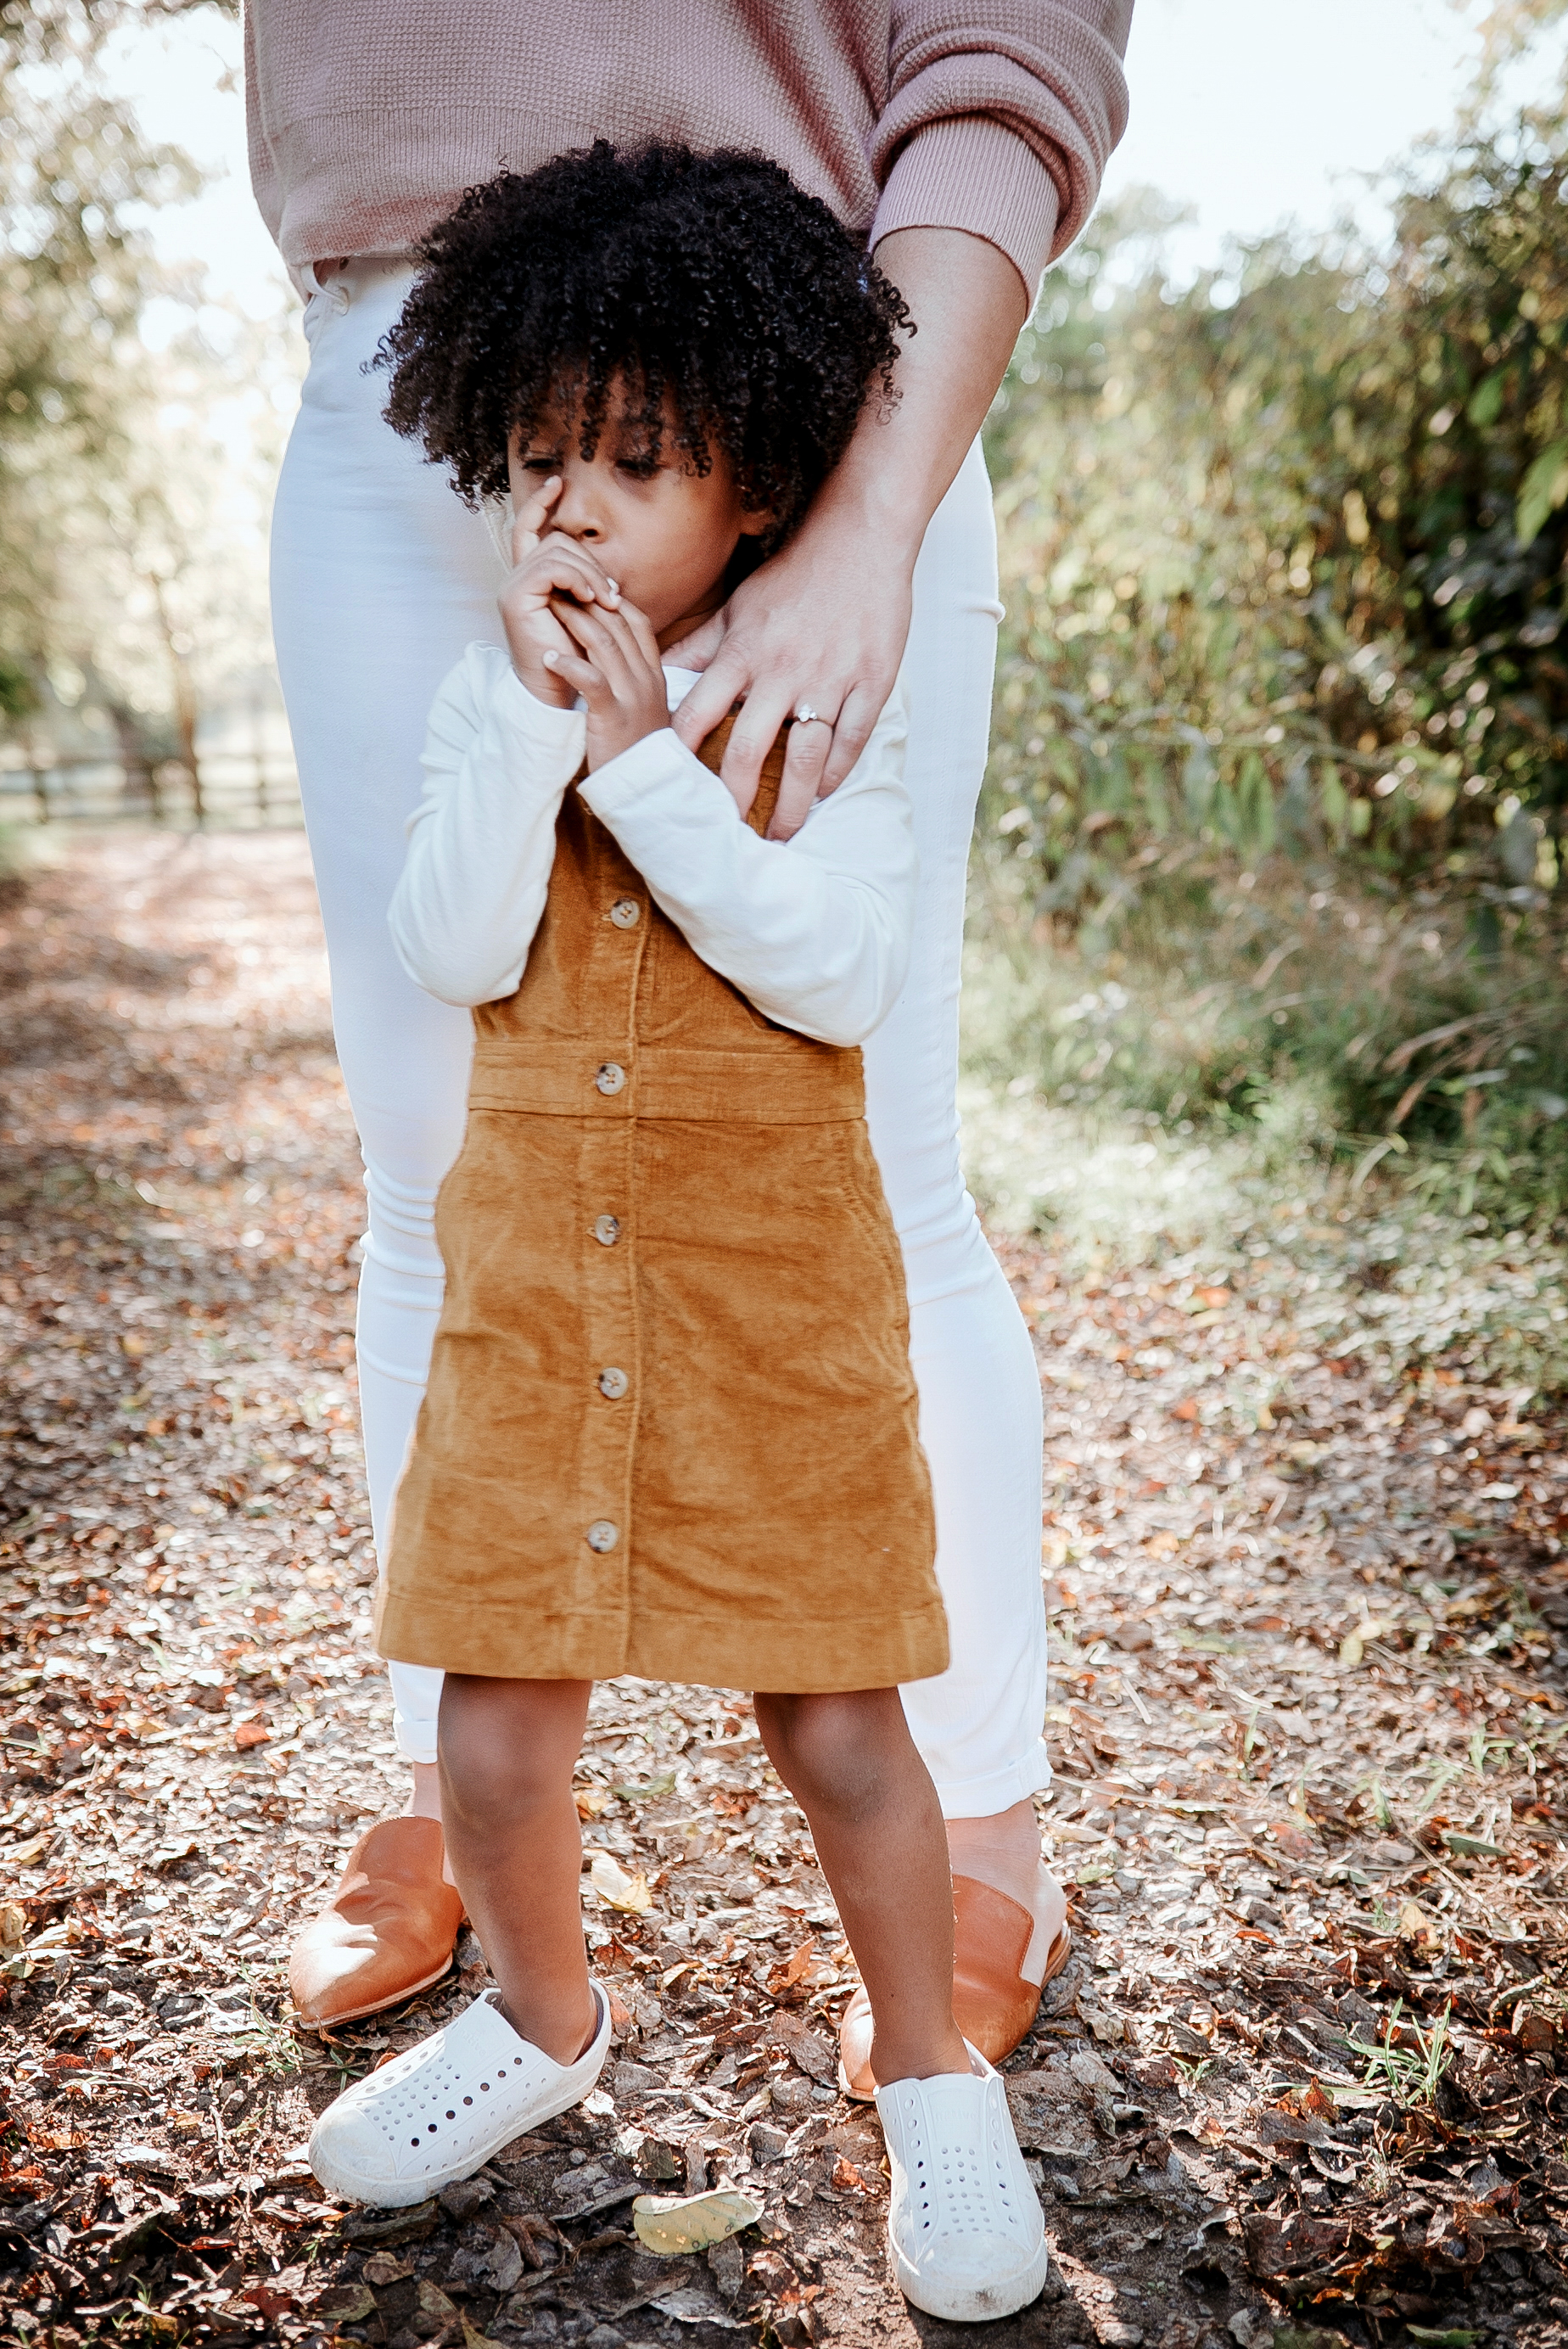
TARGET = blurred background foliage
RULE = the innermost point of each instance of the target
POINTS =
(1273, 837)
(134, 481)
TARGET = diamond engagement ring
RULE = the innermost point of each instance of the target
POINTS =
(806, 716)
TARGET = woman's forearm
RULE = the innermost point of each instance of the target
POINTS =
(824, 622)
(969, 305)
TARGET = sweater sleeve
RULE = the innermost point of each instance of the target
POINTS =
(815, 931)
(1001, 116)
(264, 183)
(481, 840)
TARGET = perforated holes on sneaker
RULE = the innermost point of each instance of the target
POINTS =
(918, 2172)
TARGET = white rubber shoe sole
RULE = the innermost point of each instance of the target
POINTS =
(965, 2229)
(439, 2112)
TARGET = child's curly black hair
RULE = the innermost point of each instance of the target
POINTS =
(710, 282)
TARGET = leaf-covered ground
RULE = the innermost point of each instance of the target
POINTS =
(1301, 2080)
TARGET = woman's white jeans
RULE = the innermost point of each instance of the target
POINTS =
(380, 578)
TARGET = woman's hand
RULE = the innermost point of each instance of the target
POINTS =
(615, 665)
(820, 626)
(548, 569)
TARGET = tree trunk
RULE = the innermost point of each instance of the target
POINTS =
(184, 698)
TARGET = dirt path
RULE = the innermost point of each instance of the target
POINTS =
(1301, 2080)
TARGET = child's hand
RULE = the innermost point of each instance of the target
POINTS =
(616, 670)
(547, 567)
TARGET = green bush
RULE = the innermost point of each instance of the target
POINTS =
(1279, 776)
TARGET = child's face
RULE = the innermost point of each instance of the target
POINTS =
(664, 533)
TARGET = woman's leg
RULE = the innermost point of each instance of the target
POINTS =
(851, 1765)
(508, 1750)
(979, 1726)
(380, 578)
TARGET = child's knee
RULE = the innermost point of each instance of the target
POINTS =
(502, 1746)
(833, 1752)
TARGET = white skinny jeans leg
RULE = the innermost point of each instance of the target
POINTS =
(380, 578)
(980, 1724)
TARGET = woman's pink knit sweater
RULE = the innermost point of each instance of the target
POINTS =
(368, 117)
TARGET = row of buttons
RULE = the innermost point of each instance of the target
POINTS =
(602, 1534)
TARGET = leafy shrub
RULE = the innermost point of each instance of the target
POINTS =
(1281, 757)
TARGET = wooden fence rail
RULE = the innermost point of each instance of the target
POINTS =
(235, 791)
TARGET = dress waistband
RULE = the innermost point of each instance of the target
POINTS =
(797, 1084)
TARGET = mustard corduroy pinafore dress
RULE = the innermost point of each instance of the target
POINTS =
(671, 1424)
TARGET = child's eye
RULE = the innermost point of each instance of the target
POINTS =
(541, 464)
(641, 469)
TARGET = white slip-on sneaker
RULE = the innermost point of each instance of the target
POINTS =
(965, 2229)
(439, 2112)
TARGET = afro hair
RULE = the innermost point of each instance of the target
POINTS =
(707, 293)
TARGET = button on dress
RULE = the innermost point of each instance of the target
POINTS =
(671, 1425)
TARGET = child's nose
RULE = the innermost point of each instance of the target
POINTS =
(576, 510)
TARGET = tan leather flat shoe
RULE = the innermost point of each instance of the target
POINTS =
(992, 2005)
(389, 1930)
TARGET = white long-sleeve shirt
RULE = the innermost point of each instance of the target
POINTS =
(814, 931)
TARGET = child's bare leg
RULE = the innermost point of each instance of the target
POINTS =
(507, 1749)
(850, 1762)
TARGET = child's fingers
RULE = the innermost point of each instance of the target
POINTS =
(604, 637)
(579, 674)
(633, 640)
(558, 564)
(641, 629)
(528, 523)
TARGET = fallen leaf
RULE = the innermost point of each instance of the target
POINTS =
(655, 1786)
(614, 1885)
(382, 2268)
(591, 1801)
(671, 2224)
(253, 1733)
(848, 2178)
(346, 2303)
(1416, 1924)
(431, 2304)
(401, 2227)
(795, 1969)
(474, 2339)
(270, 2300)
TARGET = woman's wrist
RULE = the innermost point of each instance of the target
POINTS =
(867, 504)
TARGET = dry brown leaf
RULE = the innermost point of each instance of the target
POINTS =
(616, 1888)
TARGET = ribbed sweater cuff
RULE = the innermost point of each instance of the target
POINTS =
(969, 172)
